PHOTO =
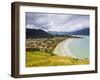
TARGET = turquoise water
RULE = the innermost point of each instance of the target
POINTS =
(74, 47)
(80, 47)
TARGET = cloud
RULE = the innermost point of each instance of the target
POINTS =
(56, 22)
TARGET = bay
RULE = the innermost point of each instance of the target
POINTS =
(74, 47)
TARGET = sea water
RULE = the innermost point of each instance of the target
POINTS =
(74, 47)
(80, 47)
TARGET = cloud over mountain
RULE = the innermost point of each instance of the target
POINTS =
(57, 22)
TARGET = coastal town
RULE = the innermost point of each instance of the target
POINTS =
(43, 44)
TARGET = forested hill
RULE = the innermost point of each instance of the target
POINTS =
(37, 33)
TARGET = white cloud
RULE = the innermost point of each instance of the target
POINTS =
(57, 22)
(31, 26)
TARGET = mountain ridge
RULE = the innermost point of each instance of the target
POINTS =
(84, 31)
(37, 33)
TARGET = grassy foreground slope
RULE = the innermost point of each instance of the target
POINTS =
(39, 58)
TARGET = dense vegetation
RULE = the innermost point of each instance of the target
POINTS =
(37, 33)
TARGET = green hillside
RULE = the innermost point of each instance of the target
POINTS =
(38, 59)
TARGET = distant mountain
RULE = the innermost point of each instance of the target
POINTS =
(37, 33)
(81, 32)
(84, 31)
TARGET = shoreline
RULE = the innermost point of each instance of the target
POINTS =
(60, 49)
(73, 47)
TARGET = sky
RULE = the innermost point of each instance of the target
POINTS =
(56, 22)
